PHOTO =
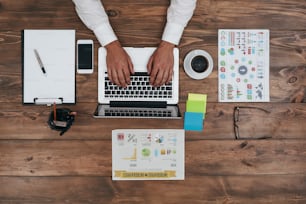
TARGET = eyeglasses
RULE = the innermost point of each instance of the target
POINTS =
(236, 120)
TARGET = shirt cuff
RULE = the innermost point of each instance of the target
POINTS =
(173, 33)
(105, 34)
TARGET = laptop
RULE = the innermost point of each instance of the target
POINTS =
(139, 99)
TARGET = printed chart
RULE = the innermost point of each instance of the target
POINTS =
(243, 65)
(148, 154)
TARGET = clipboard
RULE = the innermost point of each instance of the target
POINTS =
(48, 66)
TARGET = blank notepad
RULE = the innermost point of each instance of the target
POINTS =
(56, 50)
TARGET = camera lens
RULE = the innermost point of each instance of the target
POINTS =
(199, 64)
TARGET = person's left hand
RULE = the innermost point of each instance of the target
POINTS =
(160, 65)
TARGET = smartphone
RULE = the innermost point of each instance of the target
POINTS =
(85, 56)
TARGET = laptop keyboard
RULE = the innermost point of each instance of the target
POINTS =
(137, 113)
(138, 88)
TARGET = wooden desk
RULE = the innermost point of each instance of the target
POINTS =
(39, 166)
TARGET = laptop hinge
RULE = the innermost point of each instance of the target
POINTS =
(139, 104)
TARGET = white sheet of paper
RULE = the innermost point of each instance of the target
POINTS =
(243, 65)
(148, 154)
(56, 49)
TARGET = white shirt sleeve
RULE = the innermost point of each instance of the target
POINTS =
(93, 15)
(178, 15)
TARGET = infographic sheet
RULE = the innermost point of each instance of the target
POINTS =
(148, 154)
(243, 65)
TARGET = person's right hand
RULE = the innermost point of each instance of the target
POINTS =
(119, 64)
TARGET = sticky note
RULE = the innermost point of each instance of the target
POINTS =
(197, 97)
(193, 121)
(196, 103)
(196, 106)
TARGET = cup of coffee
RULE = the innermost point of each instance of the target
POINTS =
(198, 64)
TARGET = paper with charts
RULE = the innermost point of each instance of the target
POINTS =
(243, 65)
(148, 154)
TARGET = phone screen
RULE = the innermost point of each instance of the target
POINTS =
(85, 56)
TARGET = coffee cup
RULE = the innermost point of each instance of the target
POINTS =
(198, 64)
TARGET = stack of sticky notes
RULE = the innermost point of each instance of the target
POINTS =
(195, 112)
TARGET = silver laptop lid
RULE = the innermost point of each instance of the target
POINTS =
(140, 58)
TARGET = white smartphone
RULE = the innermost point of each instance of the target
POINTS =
(85, 56)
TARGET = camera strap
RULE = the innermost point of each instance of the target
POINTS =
(61, 119)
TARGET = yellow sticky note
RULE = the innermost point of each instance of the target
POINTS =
(197, 97)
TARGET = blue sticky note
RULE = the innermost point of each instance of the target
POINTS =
(193, 121)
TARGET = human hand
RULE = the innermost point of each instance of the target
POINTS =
(119, 64)
(160, 65)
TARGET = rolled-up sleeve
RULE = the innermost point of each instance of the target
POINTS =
(93, 15)
(178, 15)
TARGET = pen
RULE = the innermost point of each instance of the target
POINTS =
(40, 62)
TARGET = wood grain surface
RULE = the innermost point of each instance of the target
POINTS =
(39, 166)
